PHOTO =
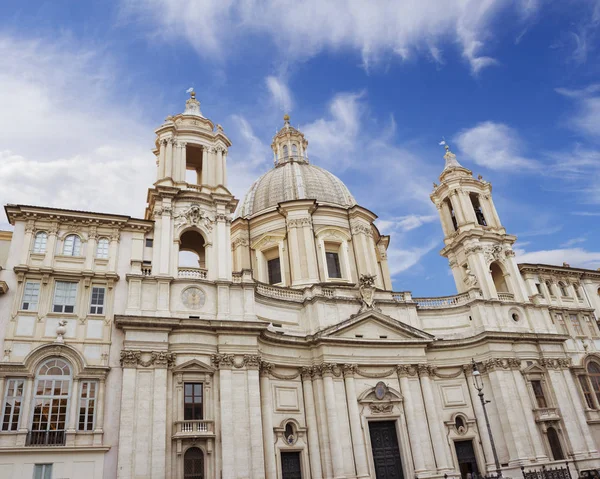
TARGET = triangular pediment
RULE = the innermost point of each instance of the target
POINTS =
(194, 366)
(374, 325)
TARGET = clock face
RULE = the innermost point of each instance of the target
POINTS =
(193, 298)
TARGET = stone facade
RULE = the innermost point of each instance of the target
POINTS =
(281, 347)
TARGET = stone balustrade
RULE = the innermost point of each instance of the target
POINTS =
(280, 293)
(443, 301)
(195, 428)
(546, 414)
(506, 296)
(192, 273)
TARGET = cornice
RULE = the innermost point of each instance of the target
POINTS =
(126, 322)
(501, 336)
(558, 270)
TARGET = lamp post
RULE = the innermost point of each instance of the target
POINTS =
(478, 383)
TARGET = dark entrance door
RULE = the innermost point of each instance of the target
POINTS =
(386, 452)
(290, 465)
(465, 454)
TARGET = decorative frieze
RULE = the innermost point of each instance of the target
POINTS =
(500, 363)
(381, 408)
(221, 361)
(555, 363)
(361, 229)
(135, 358)
(299, 223)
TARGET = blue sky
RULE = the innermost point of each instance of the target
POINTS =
(511, 85)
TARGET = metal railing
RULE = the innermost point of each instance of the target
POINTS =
(548, 472)
(46, 438)
(193, 273)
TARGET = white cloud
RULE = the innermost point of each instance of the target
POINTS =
(401, 259)
(404, 223)
(65, 141)
(586, 120)
(572, 242)
(495, 146)
(280, 93)
(576, 257)
(302, 29)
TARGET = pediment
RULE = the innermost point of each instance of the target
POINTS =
(194, 366)
(534, 369)
(373, 325)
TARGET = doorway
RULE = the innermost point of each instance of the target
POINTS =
(467, 462)
(193, 464)
(290, 465)
(386, 451)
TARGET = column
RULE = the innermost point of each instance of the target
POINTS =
(385, 270)
(169, 159)
(481, 425)
(527, 407)
(337, 457)
(161, 159)
(224, 167)
(218, 166)
(159, 423)
(435, 429)
(256, 435)
(127, 421)
(165, 237)
(311, 424)
(90, 250)
(323, 429)
(296, 273)
(26, 246)
(267, 421)
(311, 252)
(73, 410)
(25, 420)
(411, 422)
(358, 441)
(182, 163)
(99, 429)
(51, 244)
(579, 412)
(205, 176)
(458, 208)
(445, 218)
(227, 449)
(113, 249)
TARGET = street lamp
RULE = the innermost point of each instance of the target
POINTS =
(478, 383)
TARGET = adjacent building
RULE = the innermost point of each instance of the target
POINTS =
(212, 339)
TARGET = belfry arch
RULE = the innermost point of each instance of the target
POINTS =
(192, 250)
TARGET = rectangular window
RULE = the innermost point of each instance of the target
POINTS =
(39, 245)
(539, 288)
(333, 265)
(87, 405)
(590, 324)
(192, 403)
(13, 398)
(576, 324)
(149, 242)
(65, 295)
(587, 393)
(274, 268)
(42, 471)
(97, 300)
(31, 296)
(560, 321)
(102, 248)
(538, 391)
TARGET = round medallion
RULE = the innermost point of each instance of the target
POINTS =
(380, 390)
(193, 298)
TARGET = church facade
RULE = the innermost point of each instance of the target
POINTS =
(212, 339)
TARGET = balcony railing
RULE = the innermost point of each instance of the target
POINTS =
(194, 428)
(443, 301)
(45, 438)
(546, 414)
(280, 293)
(506, 296)
(193, 273)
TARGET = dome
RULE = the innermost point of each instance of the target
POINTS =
(295, 180)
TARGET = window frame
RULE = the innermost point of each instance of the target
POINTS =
(337, 261)
(539, 393)
(75, 247)
(564, 291)
(576, 324)
(43, 243)
(66, 298)
(37, 302)
(84, 404)
(560, 320)
(269, 279)
(45, 472)
(102, 248)
(13, 425)
(100, 308)
(193, 395)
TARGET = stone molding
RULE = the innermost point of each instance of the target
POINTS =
(358, 229)
(495, 364)
(381, 408)
(227, 361)
(135, 358)
(299, 223)
(556, 363)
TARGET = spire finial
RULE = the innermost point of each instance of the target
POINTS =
(192, 106)
(286, 118)
(451, 161)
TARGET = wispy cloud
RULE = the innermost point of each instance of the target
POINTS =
(586, 119)
(573, 242)
(302, 29)
(90, 150)
(280, 93)
(494, 145)
(404, 223)
(576, 257)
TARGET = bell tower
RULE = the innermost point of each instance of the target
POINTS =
(476, 244)
(190, 203)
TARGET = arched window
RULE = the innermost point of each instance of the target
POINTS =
(294, 150)
(72, 246)
(290, 437)
(563, 289)
(593, 370)
(193, 464)
(50, 403)
(102, 248)
(498, 278)
(555, 447)
(285, 151)
(452, 215)
(191, 250)
(478, 209)
(39, 245)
